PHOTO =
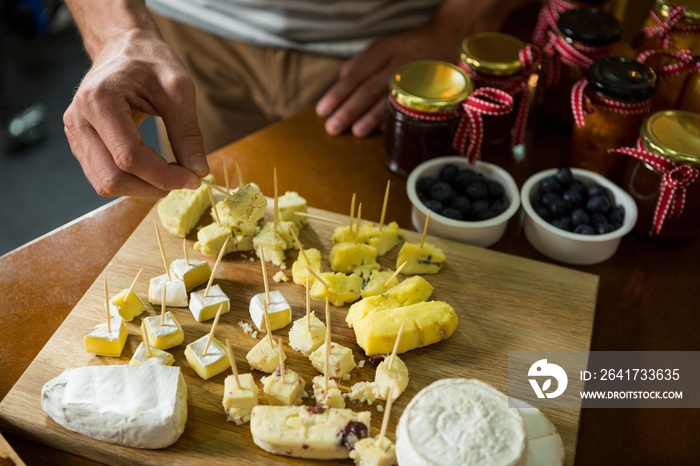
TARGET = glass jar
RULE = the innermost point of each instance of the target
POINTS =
(492, 59)
(674, 136)
(690, 99)
(584, 35)
(424, 111)
(609, 107)
(550, 11)
(671, 25)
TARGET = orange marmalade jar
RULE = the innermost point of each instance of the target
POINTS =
(664, 175)
(610, 105)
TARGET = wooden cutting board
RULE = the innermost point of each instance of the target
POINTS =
(504, 303)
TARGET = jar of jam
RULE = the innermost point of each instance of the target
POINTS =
(501, 61)
(671, 25)
(550, 11)
(584, 35)
(610, 105)
(424, 111)
(664, 175)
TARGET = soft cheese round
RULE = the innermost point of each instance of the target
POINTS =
(460, 421)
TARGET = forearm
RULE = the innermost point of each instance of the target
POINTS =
(464, 17)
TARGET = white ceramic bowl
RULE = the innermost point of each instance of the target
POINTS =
(483, 233)
(568, 247)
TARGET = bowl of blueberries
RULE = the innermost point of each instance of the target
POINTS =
(468, 202)
(576, 216)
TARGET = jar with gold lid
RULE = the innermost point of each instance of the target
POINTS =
(424, 105)
(609, 106)
(501, 61)
(584, 35)
(664, 175)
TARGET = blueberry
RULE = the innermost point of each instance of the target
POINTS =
(584, 229)
(573, 196)
(577, 185)
(477, 189)
(579, 217)
(479, 210)
(448, 172)
(497, 207)
(559, 208)
(462, 204)
(563, 223)
(550, 184)
(441, 191)
(603, 228)
(424, 184)
(432, 204)
(549, 198)
(597, 190)
(564, 176)
(617, 216)
(598, 204)
(451, 212)
(463, 178)
(597, 218)
(496, 189)
(543, 212)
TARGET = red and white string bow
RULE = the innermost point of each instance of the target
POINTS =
(683, 60)
(547, 19)
(664, 28)
(674, 181)
(573, 54)
(581, 100)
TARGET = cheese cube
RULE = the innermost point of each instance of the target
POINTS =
(333, 398)
(420, 260)
(214, 362)
(211, 239)
(306, 338)
(278, 311)
(204, 309)
(299, 271)
(126, 307)
(193, 273)
(273, 246)
(364, 392)
(175, 291)
(410, 291)
(243, 209)
(168, 335)
(386, 239)
(375, 284)
(369, 452)
(264, 356)
(181, 209)
(105, 343)
(158, 357)
(341, 288)
(238, 403)
(365, 270)
(345, 234)
(340, 362)
(290, 203)
(392, 381)
(284, 390)
(424, 323)
(346, 257)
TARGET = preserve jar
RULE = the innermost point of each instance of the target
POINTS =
(584, 35)
(676, 72)
(424, 105)
(663, 176)
(671, 25)
(609, 106)
(550, 11)
(501, 61)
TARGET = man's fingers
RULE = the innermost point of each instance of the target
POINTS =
(371, 120)
(365, 97)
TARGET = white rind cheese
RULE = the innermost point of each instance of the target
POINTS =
(139, 406)
(204, 309)
(460, 421)
(278, 311)
(175, 291)
(544, 445)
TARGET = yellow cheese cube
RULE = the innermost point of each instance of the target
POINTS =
(284, 390)
(333, 398)
(279, 312)
(386, 239)
(346, 257)
(105, 343)
(424, 323)
(365, 270)
(238, 403)
(290, 203)
(127, 307)
(158, 357)
(344, 234)
(214, 362)
(410, 291)
(193, 273)
(168, 335)
(420, 260)
(370, 452)
(341, 288)
(243, 209)
(299, 271)
(340, 362)
(212, 237)
(273, 245)
(264, 356)
(392, 381)
(205, 308)
(306, 338)
(181, 209)
(375, 284)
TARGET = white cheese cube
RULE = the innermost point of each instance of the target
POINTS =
(340, 362)
(193, 272)
(304, 338)
(332, 398)
(239, 403)
(158, 357)
(278, 310)
(284, 390)
(175, 291)
(204, 309)
(264, 356)
(392, 381)
(370, 452)
(208, 364)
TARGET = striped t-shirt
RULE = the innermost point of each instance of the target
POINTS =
(333, 27)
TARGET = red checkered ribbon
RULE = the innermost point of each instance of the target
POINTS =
(674, 181)
(530, 58)
(547, 19)
(664, 28)
(580, 100)
(558, 50)
(683, 60)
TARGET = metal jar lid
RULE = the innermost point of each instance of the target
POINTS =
(492, 53)
(692, 13)
(590, 26)
(622, 78)
(430, 86)
(675, 134)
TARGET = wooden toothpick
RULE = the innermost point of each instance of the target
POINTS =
(232, 361)
(239, 174)
(386, 200)
(396, 348)
(308, 303)
(162, 309)
(357, 227)
(264, 274)
(280, 353)
(352, 209)
(184, 252)
(328, 347)
(317, 217)
(146, 343)
(162, 251)
(109, 318)
(275, 205)
(323, 282)
(425, 229)
(215, 187)
(267, 323)
(216, 265)
(396, 272)
(385, 419)
(133, 284)
(213, 329)
(213, 207)
(227, 185)
(298, 243)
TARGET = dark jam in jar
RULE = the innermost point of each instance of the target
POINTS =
(423, 106)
